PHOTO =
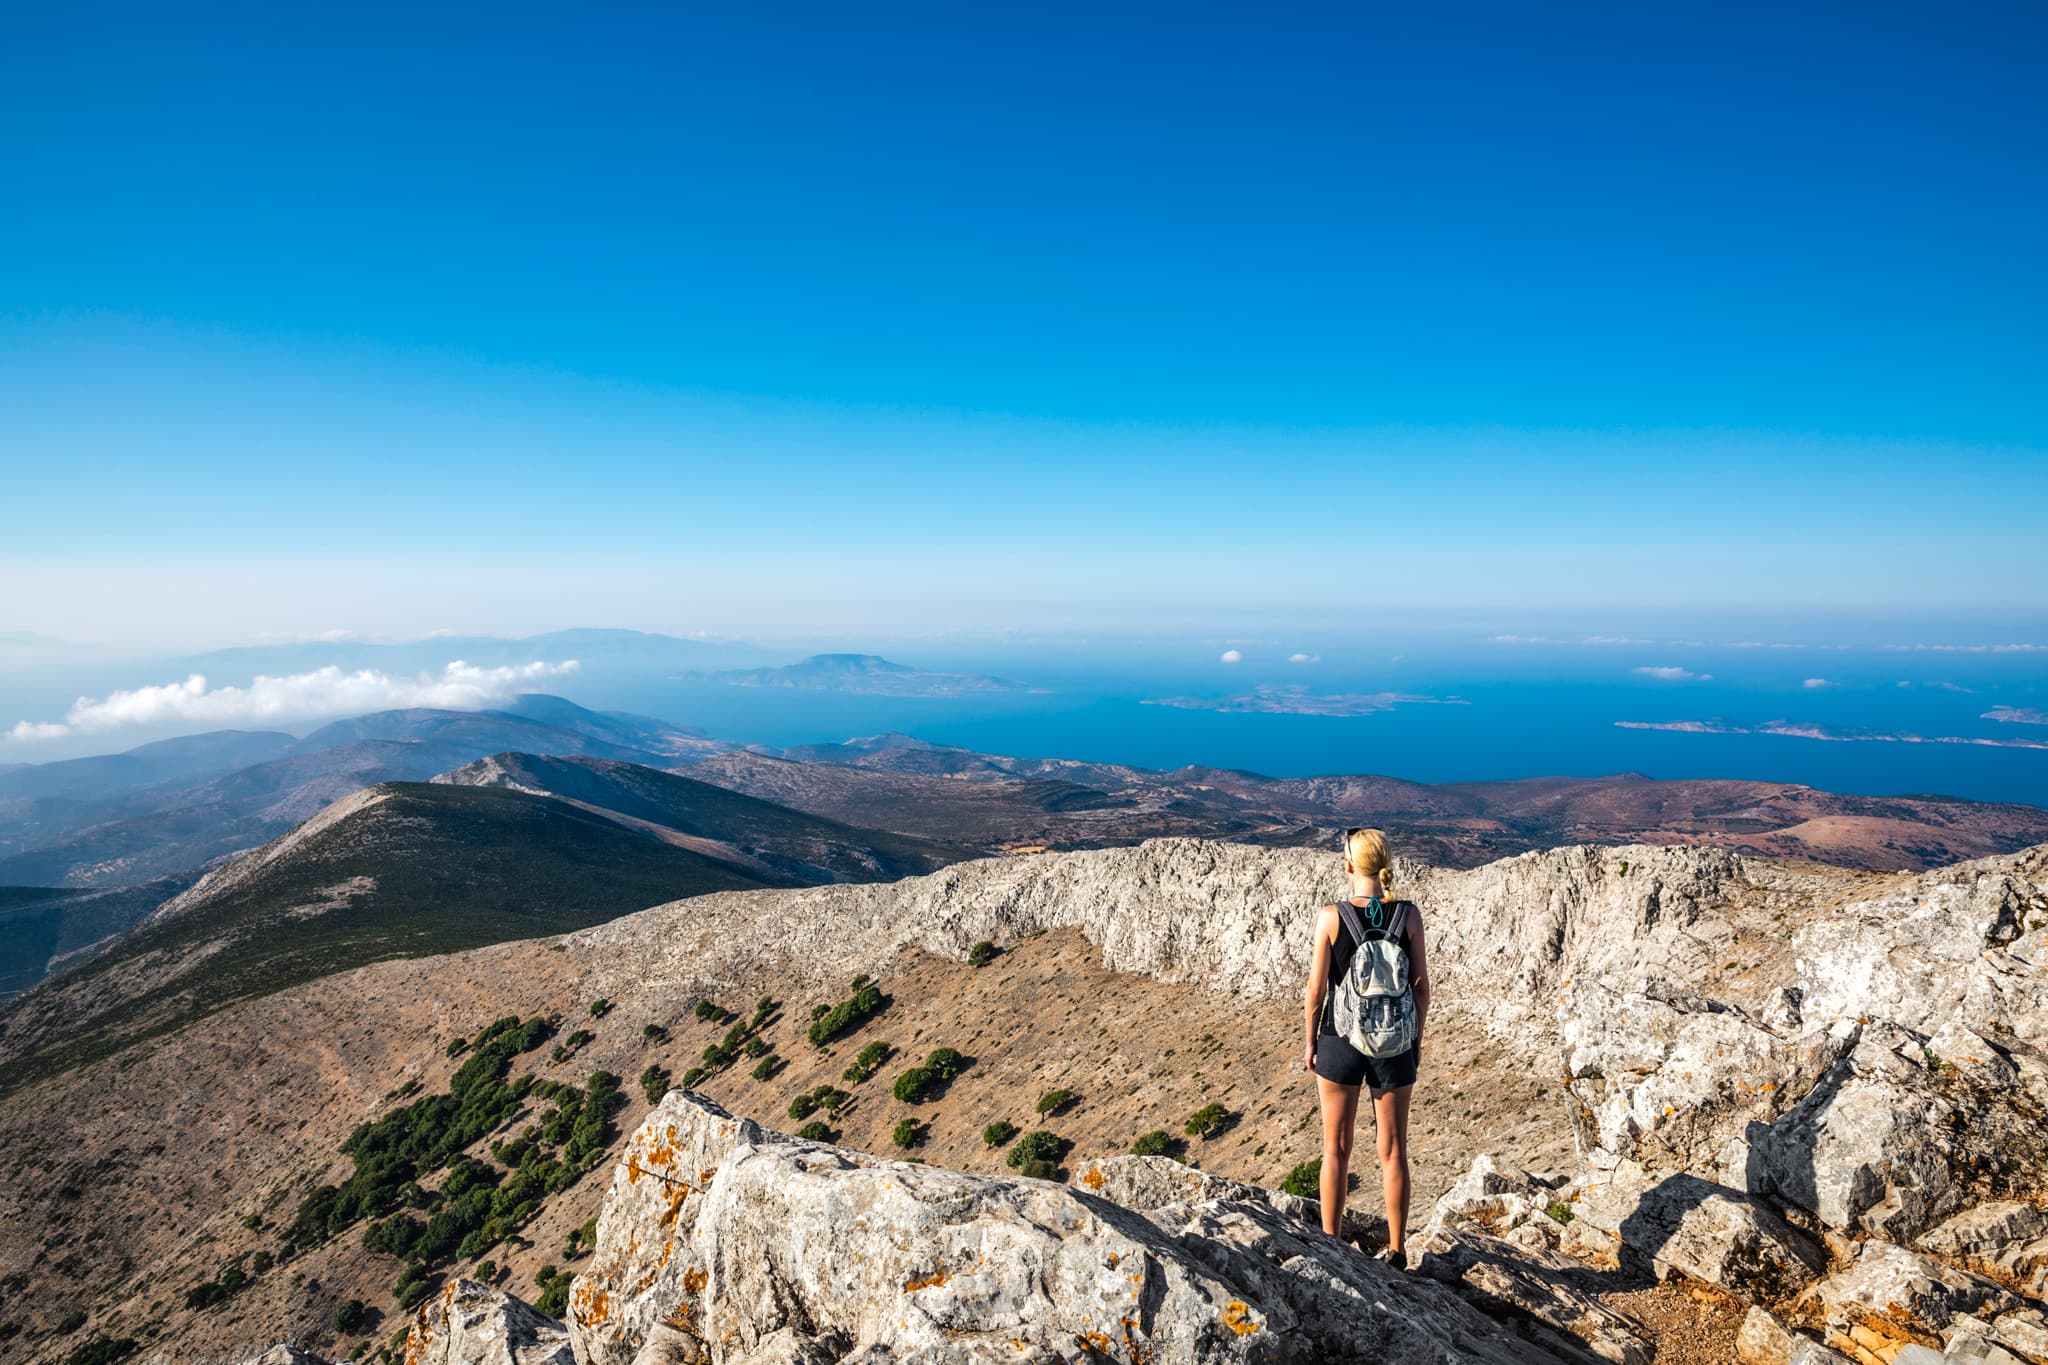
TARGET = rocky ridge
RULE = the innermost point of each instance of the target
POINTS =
(1823, 1099)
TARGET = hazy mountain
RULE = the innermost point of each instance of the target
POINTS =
(122, 832)
(865, 673)
(715, 818)
(183, 759)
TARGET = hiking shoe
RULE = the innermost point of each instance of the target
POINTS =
(1396, 1260)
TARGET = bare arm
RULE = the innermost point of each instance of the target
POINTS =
(1318, 980)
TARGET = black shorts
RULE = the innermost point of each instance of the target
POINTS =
(1338, 1061)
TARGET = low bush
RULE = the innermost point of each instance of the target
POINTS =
(554, 1291)
(1206, 1120)
(817, 1130)
(909, 1133)
(923, 1082)
(826, 1097)
(767, 1067)
(654, 1083)
(600, 1007)
(102, 1351)
(350, 1315)
(692, 1076)
(1055, 1102)
(569, 1046)
(868, 1062)
(755, 1048)
(981, 954)
(654, 1033)
(1158, 1142)
(865, 1003)
(1038, 1154)
(1305, 1181)
(998, 1133)
(707, 1010)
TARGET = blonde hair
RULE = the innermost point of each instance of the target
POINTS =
(1366, 849)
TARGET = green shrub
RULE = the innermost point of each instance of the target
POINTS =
(654, 1083)
(1040, 1170)
(350, 1315)
(554, 1291)
(260, 1262)
(707, 1010)
(865, 1003)
(868, 1062)
(767, 1067)
(817, 1130)
(600, 1007)
(909, 1133)
(1559, 1211)
(73, 1320)
(102, 1351)
(763, 1007)
(692, 1076)
(486, 1271)
(981, 954)
(1039, 1146)
(826, 1097)
(1305, 1181)
(922, 1082)
(1207, 1120)
(803, 1106)
(1158, 1142)
(654, 1033)
(998, 1133)
(415, 1284)
(1055, 1102)
(755, 1048)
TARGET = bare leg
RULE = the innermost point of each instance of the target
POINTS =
(1340, 1118)
(1390, 1117)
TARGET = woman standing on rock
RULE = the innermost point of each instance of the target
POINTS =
(1364, 1027)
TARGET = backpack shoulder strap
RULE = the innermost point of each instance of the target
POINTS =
(1348, 912)
(1397, 922)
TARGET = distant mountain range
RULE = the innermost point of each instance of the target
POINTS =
(865, 673)
(90, 846)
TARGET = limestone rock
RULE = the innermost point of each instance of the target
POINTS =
(1685, 1224)
(472, 1324)
(1764, 1340)
(722, 1243)
(284, 1354)
(2001, 1233)
(1892, 1297)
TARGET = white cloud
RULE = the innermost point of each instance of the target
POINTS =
(2018, 715)
(1304, 658)
(1816, 683)
(1614, 640)
(1233, 656)
(323, 693)
(1672, 673)
(1523, 640)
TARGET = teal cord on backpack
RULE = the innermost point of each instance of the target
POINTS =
(1372, 1005)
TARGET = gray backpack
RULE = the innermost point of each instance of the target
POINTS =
(1371, 1005)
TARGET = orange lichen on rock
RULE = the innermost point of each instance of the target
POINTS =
(1238, 1318)
(1093, 1180)
(932, 1281)
(591, 1305)
(693, 1280)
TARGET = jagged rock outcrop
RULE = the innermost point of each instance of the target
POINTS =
(723, 1242)
(472, 1324)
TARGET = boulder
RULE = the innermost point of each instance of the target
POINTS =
(1495, 1273)
(2001, 1235)
(1893, 1297)
(722, 1243)
(1688, 1225)
(1764, 1340)
(472, 1324)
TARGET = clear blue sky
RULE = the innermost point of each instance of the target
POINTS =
(497, 318)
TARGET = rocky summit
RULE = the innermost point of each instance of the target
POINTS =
(1815, 1106)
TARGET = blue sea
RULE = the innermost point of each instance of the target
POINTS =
(1468, 703)
(1506, 710)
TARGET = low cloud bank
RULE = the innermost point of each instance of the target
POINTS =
(321, 694)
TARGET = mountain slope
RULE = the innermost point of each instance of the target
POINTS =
(1150, 980)
(397, 870)
(802, 847)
